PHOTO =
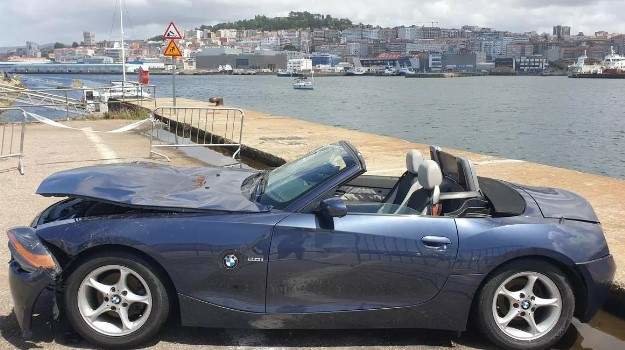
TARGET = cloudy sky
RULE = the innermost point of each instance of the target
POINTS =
(46, 21)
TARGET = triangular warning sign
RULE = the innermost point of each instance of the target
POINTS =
(172, 32)
(172, 50)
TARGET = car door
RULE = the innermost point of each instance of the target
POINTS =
(366, 261)
(229, 264)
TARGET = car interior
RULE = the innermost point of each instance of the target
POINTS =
(444, 185)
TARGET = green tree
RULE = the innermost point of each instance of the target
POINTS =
(58, 45)
(295, 20)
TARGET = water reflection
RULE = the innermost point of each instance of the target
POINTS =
(605, 331)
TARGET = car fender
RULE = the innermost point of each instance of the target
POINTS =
(154, 236)
(489, 242)
(575, 246)
(73, 237)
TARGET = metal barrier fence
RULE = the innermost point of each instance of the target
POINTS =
(12, 138)
(198, 127)
(80, 101)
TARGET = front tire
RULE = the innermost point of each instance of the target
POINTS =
(526, 305)
(116, 300)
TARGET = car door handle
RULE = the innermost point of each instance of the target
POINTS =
(436, 242)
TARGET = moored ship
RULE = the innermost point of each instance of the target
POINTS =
(612, 67)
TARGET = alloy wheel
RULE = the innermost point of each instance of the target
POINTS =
(114, 300)
(527, 305)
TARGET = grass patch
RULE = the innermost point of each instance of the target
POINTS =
(127, 113)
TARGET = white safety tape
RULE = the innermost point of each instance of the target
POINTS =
(56, 124)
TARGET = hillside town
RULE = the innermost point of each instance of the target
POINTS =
(343, 49)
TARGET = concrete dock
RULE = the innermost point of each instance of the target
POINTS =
(275, 139)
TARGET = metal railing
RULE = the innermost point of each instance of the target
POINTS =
(12, 138)
(80, 101)
(198, 127)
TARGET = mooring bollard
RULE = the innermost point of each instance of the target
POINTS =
(218, 101)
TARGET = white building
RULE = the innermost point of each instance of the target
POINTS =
(359, 34)
(407, 33)
(299, 65)
(270, 43)
(536, 63)
(72, 55)
(435, 62)
(193, 34)
(227, 33)
(88, 38)
(371, 33)
(294, 54)
(426, 45)
(357, 49)
(500, 46)
(32, 49)
(114, 52)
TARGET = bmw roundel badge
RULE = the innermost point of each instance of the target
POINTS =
(231, 261)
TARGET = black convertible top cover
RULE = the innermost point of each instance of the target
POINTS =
(155, 186)
(505, 200)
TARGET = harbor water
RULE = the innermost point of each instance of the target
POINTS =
(572, 123)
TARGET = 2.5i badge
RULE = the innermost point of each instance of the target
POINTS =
(231, 261)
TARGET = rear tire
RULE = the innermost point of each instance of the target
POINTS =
(116, 300)
(526, 305)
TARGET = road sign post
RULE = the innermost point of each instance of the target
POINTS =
(172, 33)
(173, 80)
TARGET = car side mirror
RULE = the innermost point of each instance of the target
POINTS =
(332, 208)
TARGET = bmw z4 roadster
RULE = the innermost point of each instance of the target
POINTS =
(315, 243)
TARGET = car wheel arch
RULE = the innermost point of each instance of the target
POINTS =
(72, 262)
(577, 282)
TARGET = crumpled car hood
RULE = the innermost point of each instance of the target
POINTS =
(153, 185)
(558, 203)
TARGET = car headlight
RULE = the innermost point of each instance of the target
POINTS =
(29, 252)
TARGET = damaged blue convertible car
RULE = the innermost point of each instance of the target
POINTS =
(315, 243)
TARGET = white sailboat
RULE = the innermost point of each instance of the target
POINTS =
(125, 89)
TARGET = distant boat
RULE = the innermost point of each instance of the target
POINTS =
(390, 71)
(303, 83)
(288, 73)
(240, 71)
(406, 71)
(356, 71)
(127, 89)
(614, 63)
(119, 90)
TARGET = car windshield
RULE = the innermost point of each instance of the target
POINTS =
(290, 181)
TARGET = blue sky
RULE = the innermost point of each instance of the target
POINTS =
(45, 21)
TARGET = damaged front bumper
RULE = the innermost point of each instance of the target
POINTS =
(25, 288)
(32, 269)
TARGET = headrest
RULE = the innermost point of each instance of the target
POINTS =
(414, 159)
(430, 174)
